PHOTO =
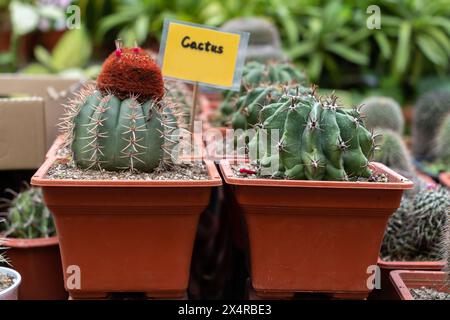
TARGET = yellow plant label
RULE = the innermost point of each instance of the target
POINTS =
(202, 54)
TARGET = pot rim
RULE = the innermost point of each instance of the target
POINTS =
(398, 182)
(400, 285)
(18, 243)
(39, 179)
(413, 265)
(17, 277)
(444, 178)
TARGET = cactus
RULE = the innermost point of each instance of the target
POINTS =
(382, 112)
(429, 111)
(392, 151)
(264, 42)
(123, 122)
(180, 97)
(442, 142)
(28, 217)
(415, 230)
(318, 140)
(254, 77)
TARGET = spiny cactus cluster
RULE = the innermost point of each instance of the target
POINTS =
(123, 122)
(415, 230)
(180, 97)
(429, 112)
(256, 75)
(392, 151)
(264, 43)
(382, 112)
(28, 217)
(318, 140)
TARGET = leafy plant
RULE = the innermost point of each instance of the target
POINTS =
(420, 30)
(28, 217)
(69, 56)
(328, 33)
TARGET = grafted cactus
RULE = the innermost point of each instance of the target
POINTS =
(317, 140)
(123, 122)
(382, 112)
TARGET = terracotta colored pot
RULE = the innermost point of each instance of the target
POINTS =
(126, 236)
(39, 263)
(404, 280)
(444, 179)
(11, 293)
(387, 290)
(315, 235)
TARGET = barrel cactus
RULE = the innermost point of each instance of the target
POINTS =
(383, 112)
(429, 112)
(123, 121)
(264, 42)
(415, 230)
(392, 151)
(317, 140)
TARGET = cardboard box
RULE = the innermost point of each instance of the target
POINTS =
(41, 119)
(22, 127)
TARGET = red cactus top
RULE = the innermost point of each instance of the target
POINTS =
(131, 72)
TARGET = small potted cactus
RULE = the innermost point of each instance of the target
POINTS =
(315, 206)
(33, 248)
(117, 187)
(9, 279)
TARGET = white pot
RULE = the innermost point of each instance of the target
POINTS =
(11, 292)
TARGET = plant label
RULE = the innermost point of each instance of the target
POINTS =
(202, 54)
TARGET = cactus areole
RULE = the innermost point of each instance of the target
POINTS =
(123, 122)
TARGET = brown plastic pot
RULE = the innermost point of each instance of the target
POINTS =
(126, 236)
(387, 290)
(444, 178)
(405, 280)
(39, 263)
(316, 236)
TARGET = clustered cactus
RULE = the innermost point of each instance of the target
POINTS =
(318, 139)
(442, 142)
(124, 121)
(256, 76)
(264, 42)
(415, 230)
(382, 112)
(28, 217)
(429, 112)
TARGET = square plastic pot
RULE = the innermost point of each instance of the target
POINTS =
(387, 290)
(405, 280)
(315, 236)
(39, 263)
(126, 236)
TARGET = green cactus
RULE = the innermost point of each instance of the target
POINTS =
(180, 97)
(317, 140)
(264, 42)
(442, 142)
(392, 151)
(123, 122)
(255, 78)
(415, 230)
(28, 217)
(382, 112)
(429, 112)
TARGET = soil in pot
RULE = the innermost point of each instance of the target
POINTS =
(421, 285)
(424, 293)
(6, 281)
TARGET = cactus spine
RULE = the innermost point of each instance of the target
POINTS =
(123, 122)
(382, 112)
(429, 111)
(318, 140)
(442, 142)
